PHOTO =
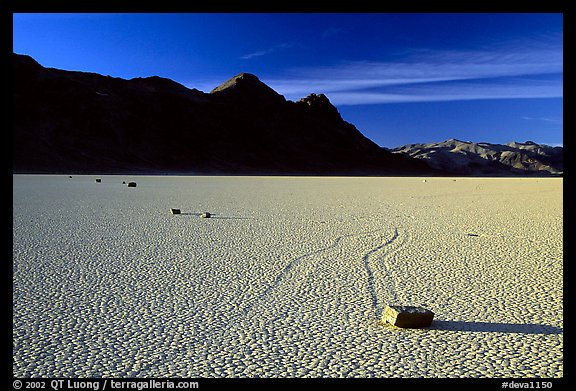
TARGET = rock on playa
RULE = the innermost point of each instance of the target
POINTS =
(407, 316)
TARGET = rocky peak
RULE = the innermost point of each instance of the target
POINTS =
(156, 84)
(24, 68)
(23, 60)
(315, 100)
(248, 86)
(319, 104)
(242, 80)
(454, 141)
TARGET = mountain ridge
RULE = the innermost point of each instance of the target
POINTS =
(70, 121)
(82, 122)
(487, 159)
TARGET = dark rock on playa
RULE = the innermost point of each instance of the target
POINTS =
(407, 316)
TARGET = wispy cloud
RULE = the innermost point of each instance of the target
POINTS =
(331, 32)
(445, 94)
(427, 75)
(544, 119)
(270, 50)
(256, 54)
(513, 71)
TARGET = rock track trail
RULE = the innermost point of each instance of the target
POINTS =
(376, 262)
(316, 277)
(379, 266)
(315, 300)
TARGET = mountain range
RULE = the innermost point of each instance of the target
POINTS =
(80, 122)
(65, 121)
(486, 159)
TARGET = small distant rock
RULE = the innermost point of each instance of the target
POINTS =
(206, 215)
(131, 184)
(424, 181)
(407, 316)
(123, 182)
(70, 177)
(175, 211)
(98, 180)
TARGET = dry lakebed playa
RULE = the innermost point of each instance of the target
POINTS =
(288, 277)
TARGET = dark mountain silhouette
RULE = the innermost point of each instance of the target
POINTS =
(78, 122)
(485, 159)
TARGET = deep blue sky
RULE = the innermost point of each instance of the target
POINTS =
(400, 78)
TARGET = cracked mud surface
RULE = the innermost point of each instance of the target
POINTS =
(288, 278)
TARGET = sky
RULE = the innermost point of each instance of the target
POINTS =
(399, 78)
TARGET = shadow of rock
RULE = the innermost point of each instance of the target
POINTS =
(229, 218)
(214, 216)
(491, 327)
